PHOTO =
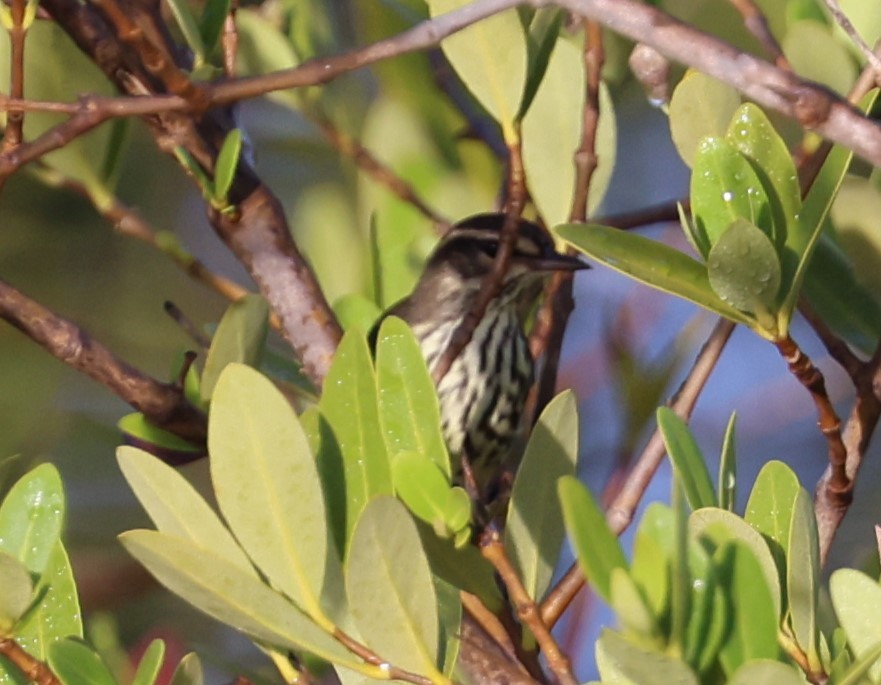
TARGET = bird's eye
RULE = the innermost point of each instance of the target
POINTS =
(488, 248)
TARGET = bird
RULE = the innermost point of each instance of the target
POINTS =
(483, 392)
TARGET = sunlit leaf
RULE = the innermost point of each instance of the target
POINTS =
(629, 606)
(803, 576)
(240, 337)
(389, 586)
(188, 671)
(535, 531)
(687, 458)
(857, 601)
(150, 664)
(727, 489)
(766, 672)
(700, 106)
(227, 159)
(423, 488)
(16, 591)
(623, 662)
(139, 430)
(817, 55)
(267, 483)
(650, 565)
(595, 545)
(77, 664)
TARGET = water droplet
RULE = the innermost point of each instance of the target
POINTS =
(727, 196)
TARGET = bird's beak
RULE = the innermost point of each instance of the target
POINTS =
(558, 262)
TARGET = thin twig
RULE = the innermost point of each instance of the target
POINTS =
(229, 40)
(32, 669)
(842, 20)
(393, 672)
(489, 623)
(620, 512)
(757, 24)
(13, 135)
(493, 551)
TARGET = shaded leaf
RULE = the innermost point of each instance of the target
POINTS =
(186, 22)
(77, 664)
(803, 576)
(267, 484)
(534, 531)
(211, 24)
(228, 157)
(687, 458)
(139, 430)
(623, 662)
(700, 106)
(727, 488)
(188, 671)
(390, 590)
(16, 591)
(595, 545)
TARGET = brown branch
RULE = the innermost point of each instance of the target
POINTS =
(757, 24)
(372, 658)
(620, 512)
(493, 551)
(842, 20)
(229, 40)
(483, 661)
(32, 669)
(163, 404)
(492, 282)
(13, 135)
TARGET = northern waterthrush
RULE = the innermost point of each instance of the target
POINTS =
(482, 394)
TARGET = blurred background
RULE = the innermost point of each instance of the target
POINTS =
(56, 248)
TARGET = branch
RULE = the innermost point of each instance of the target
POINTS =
(620, 512)
(34, 670)
(846, 25)
(757, 24)
(163, 404)
(13, 135)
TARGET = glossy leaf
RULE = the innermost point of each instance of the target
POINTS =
(490, 56)
(753, 136)
(719, 527)
(349, 404)
(551, 132)
(16, 591)
(753, 634)
(389, 586)
(188, 671)
(175, 507)
(811, 220)
(77, 664)
(725, 187)
(595, 545)
(857, 601)
(423, 488)
(625, 663)
(239, 338)
(225, 592)
(744, 271)
(57, 611)
(766, 672)
(700, 106)
(535, 531)
(228, 157)
(769, 510)
(803, 577)
(31, 517)
(139, 430)
(408, 403)
(687, 458)
(267, 484)
(649, 262)
(150, 664)
(727, 488)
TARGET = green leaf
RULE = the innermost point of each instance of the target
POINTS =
(857, 601)
(766, 672)
(817, 55)
(551, 133)
(650, 262)
(744, 271)
(211, 24)
(534, 531)
(753, 136)
(629, 606)
(490, 57)
(650, 566)
(701, 106)
(860, 667)
(802, 241)
(31, 517)
(240, 337)
(16, 591)
(77, 664)
(188, 671)
(408, 403)
(150, 664)
(803, 577)
(353, 310)
(450, 616)
(769, 510)
(595, 545)
(724, 188)
(137, 428)
(423, 488)
(728, 468)
(708, 621)
(753, 633)
(186, 22)
(687, 459)
(57, 611)
(350, 406)
(718, 527)
(267, 484)
(389, 586)
(175, 507)
(624, 663)
(227, 593)
(542, 36)
(227, 161)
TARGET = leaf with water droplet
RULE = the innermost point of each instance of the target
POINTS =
(725, 187)
(744, 271)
